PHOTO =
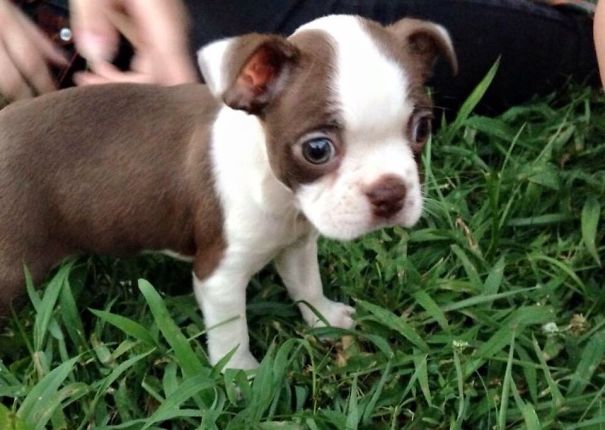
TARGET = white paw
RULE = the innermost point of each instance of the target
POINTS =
(240, 360)
(335, 313)
(243, 361)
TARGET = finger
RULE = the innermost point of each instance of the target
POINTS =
(50, 51)
(125, 26)
(113, 74)
(164, 25)
(29, 61)
(12, 85)
(83, 79)
(164, 28)
(178, 69)
(141, 63)
(95, 37)
(106, 73)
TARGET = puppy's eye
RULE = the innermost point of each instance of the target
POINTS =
(420, 128)
(318, 150)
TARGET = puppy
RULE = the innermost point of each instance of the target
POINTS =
(318, 133)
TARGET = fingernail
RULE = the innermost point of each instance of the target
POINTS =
(95, 47)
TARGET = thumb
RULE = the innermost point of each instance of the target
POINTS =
(95, 37)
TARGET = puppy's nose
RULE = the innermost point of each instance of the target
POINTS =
(386, 196)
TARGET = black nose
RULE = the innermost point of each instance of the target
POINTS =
(387, 196)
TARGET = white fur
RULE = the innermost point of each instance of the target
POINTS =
(211, 59)
(370, 87)
(298, 267)
(371, 91)
(341, 210)
(260, 220)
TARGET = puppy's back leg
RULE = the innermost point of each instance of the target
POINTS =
(12, 290)
(12, 275)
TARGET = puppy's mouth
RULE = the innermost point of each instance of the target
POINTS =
(351, 229)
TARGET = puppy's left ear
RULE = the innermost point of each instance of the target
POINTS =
(425, 41)
(248, 72)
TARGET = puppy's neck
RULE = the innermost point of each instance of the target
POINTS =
(241, 164)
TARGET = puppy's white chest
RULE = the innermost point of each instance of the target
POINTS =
(260, 217)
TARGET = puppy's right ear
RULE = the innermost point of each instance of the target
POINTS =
(247, 72)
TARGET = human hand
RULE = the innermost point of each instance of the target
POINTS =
(599, 38)
(157, 30)
(25, 53)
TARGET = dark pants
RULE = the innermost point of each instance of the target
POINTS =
(540, 47)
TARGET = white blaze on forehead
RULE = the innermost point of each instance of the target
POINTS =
(370, 87)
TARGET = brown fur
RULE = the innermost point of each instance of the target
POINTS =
(307, 105)
(114, 169)
(415, 45)
(249, 89)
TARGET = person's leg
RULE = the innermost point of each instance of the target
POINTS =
(540, 46)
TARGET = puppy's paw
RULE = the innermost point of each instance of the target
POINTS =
(239, 360)
(335, 313)
(244, 361)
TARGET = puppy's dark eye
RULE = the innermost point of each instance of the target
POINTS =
(420, 128)
(318, 150)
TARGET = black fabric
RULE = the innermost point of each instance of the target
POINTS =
(540, 46)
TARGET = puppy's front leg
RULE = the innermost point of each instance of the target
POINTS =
(299, 269)
(222, 298)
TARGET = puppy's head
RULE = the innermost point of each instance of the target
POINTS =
(345, 113)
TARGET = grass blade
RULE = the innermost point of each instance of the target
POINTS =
(532, 422)
(37, 408)
(10, 421)
(186, 390)
(128, 326)
(431, 308)
(395, 323)
(378, 388)
(593, 353)
(506, 384)
(47, 305)
(421, 367)
(494, 278)
(353, 408)
(188, 359)
(471, 102)
(552, 385)
(590, 221)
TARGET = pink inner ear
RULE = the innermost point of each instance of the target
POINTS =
(258, 72)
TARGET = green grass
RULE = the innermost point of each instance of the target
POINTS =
(489, 315)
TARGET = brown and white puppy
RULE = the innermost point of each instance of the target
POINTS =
(318, 133)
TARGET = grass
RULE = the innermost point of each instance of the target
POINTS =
(489, 315)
